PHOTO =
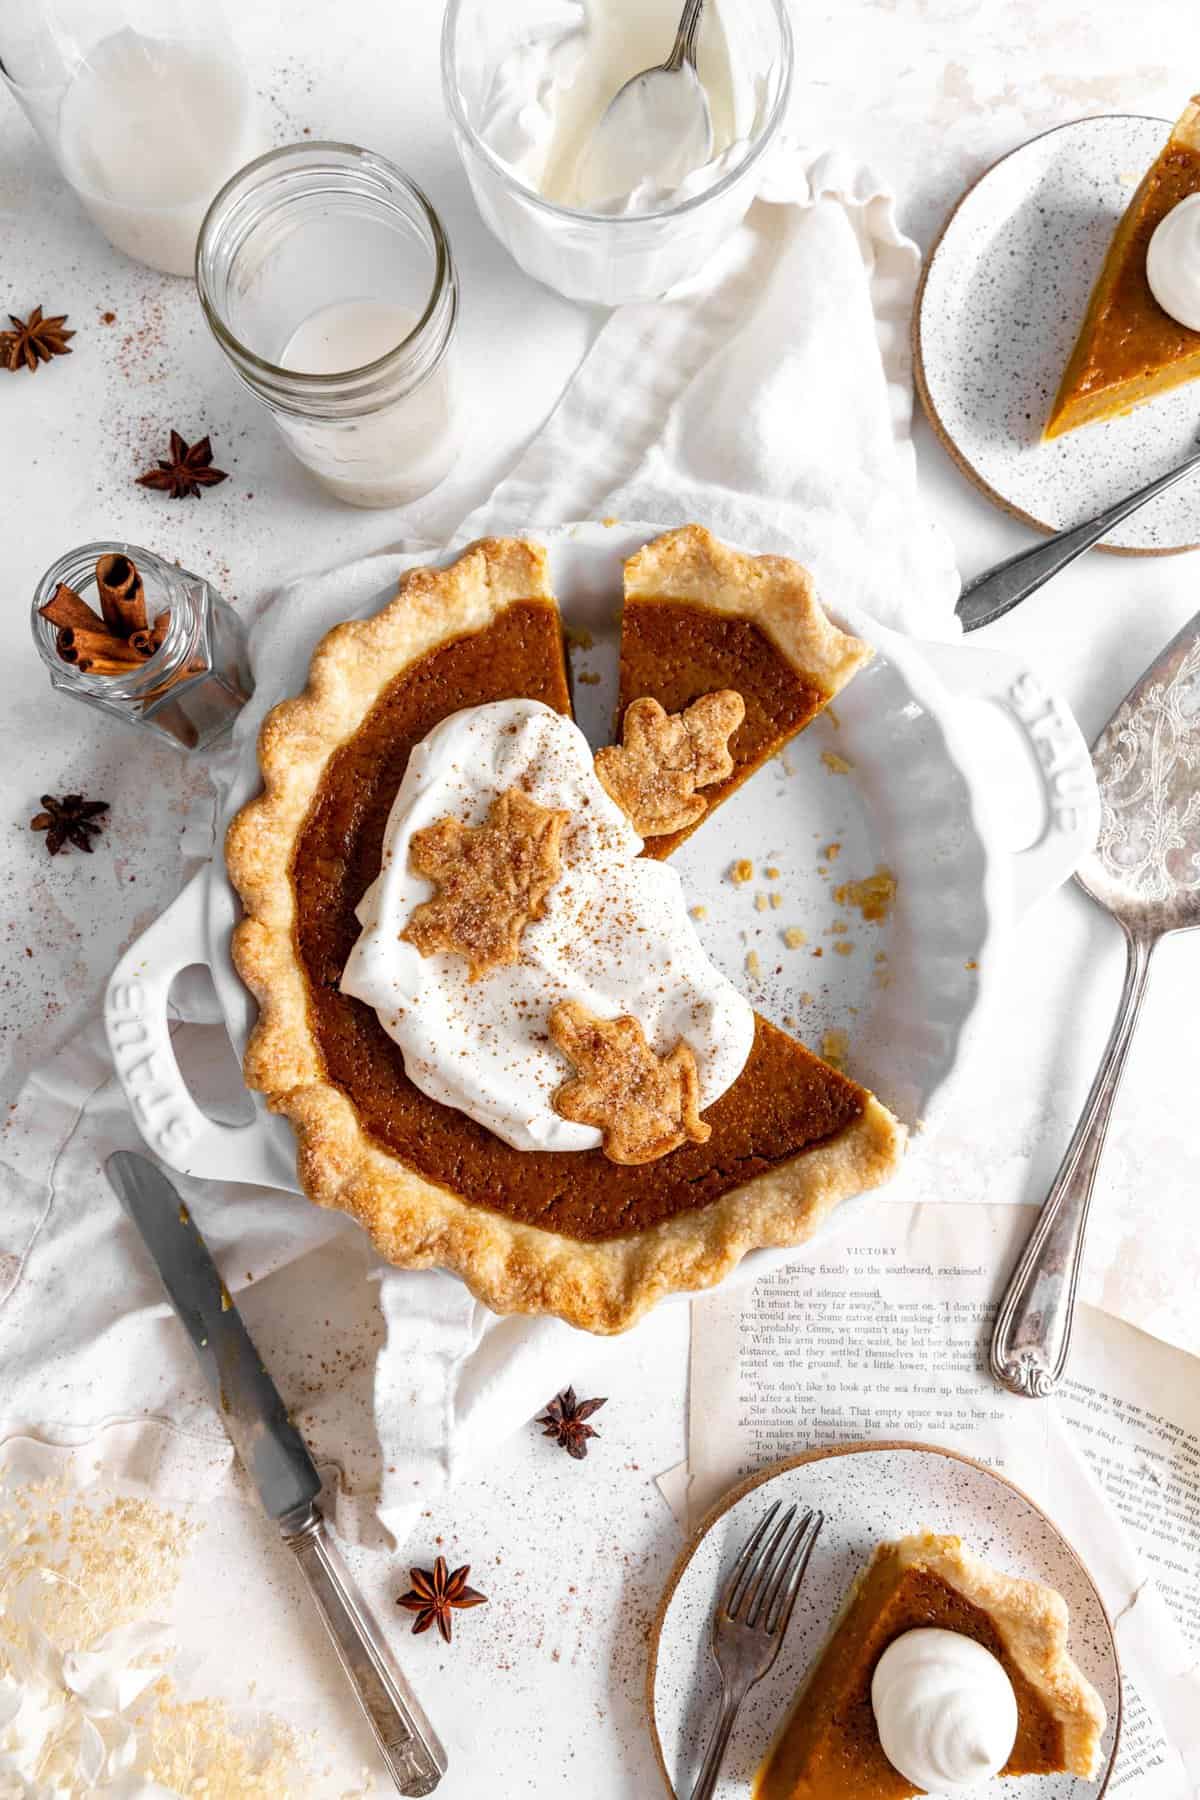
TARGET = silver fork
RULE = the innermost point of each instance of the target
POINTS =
(751, 1619)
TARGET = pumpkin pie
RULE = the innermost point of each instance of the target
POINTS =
(700, 617)
(576, 1233)
(1130, 350)
(829, 1747)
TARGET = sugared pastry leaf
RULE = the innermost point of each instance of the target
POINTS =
(565, 1420)
(653, 773)
(436, 1595)
(492, 880)
(644, 1104)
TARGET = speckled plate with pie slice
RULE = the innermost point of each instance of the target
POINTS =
(1003, 295)
(868, 1493)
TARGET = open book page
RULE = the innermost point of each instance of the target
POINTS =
(883, 1333)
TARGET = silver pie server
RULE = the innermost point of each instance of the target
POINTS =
(276, 1458)
(1145, 870)
(990, 595)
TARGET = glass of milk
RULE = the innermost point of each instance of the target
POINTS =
(145, 107)
(525, 84)
(328, 282)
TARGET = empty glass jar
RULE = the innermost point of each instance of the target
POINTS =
(328, 282)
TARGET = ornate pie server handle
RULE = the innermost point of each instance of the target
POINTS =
(407, 1741)
(1033, 1329)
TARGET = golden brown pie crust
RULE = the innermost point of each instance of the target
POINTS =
(829, 1749)
(699, 617)
(575, 1235)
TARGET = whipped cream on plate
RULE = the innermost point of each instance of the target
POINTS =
(1173, 263)
(615, 936)
(944, 1709)
(547, 95)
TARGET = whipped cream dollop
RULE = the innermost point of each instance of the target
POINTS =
(944, 1709)
(1173, 262)
(546, 97)
(615, 936)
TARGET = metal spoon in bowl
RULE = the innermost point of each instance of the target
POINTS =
(663, 110)
(1006, 584)
(1145, 870)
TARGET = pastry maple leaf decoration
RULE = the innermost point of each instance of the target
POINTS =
(644, 1104)
(653, 773)
(492, 880)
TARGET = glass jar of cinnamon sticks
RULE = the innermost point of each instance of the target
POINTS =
(144, 640)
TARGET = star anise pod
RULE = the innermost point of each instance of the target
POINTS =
(565, 1418)
(188, 469)
(436, 1594)
(71, 820)
(33, 340)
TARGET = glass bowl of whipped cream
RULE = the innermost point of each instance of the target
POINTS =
(526, 83)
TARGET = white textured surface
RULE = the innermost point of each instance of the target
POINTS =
(544, 1685)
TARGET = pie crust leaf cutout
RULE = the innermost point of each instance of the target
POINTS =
(654, 772)
(492, 880)
(645, 1105)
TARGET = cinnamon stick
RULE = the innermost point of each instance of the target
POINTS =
(144, 642)
(106, 665)
(83, 647)
(122, 597)
(65, 608)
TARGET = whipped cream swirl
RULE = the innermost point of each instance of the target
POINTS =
(615, 937)
(944, 1709)
(1173, 263)
(545, 98)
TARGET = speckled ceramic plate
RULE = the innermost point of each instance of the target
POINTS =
(1002, 298)
(867, 1492)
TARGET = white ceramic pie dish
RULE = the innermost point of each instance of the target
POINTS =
(918, 798)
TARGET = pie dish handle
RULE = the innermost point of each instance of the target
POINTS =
(136, 1022)
(1060, 753)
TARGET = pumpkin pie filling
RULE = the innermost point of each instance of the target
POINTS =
(784, 1102)
(677, 653)
(1128, 348)
(831, 1747)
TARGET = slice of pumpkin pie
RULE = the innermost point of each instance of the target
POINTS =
(944, 1665)
(701, 619)
(1129, 349)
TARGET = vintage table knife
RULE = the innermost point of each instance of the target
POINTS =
(277, 1460)
(1145, 870)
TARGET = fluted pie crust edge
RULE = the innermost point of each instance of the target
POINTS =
(512, 1266)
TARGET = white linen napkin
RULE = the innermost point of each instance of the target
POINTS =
(772, 402)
